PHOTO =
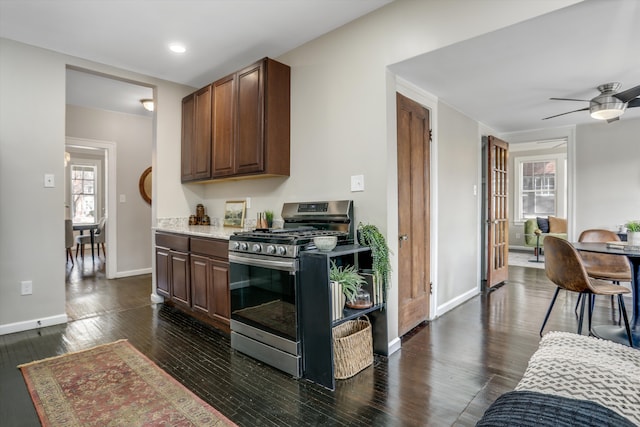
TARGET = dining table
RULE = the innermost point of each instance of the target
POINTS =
(613, 332)
(92, 227)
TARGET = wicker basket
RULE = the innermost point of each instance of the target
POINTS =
(352, 347)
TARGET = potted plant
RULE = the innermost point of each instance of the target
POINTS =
(269, 217)
(369, 235)
(348, 277)
(633, 233)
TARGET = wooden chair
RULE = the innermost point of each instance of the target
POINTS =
(563, 266)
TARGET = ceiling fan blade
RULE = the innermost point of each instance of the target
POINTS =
(568, 112)
(629, 94)
(569, 99)
(634, 103)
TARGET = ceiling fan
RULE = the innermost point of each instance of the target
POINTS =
(609, 105)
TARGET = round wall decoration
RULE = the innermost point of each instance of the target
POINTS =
(145, 185)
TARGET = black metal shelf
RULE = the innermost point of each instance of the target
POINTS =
(315, 308)
(351, 314)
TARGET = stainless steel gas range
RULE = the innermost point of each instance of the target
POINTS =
(264, 280)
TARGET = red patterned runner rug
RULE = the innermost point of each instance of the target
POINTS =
(113, 385)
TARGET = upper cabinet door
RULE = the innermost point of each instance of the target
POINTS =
(188, 137)
(202, 128)
(223, 127)
(250, 110)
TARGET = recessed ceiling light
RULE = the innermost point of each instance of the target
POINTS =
(177, 48)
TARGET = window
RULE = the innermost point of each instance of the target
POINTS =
(538, 190)
(540, 186)
(83, 193)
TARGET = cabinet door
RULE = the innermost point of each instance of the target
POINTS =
(188, 138)
(219, 303)
(223, 123)
(162, 273)
(180, 283)
(202, 138)
(200, 283)
(250, 110)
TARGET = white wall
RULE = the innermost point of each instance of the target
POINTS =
(458, 245)
(607, 174)
(32, 126)
(133, 137)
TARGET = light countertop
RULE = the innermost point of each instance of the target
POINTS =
(209, 231)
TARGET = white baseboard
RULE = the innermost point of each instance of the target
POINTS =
(26, 325)
(121, 274)
(451, 304)
(394, 345)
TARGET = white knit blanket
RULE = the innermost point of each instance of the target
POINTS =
(587, 368)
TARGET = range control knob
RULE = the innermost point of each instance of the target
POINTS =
(257, 248)
(282, 250)
(271, 249)
(244, 246)
(235, 246)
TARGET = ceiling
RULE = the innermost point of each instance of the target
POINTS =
(504, 79)
(220, 36)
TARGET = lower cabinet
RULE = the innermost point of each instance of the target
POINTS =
(210, 287)
(195, 279)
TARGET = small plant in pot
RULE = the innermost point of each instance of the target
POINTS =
(349, 279)
(633, 233)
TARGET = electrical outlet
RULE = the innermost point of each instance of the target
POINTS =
(26, 287)
(49, 180)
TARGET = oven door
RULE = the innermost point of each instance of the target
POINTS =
(263, 294)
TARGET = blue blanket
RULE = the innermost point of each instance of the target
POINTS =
(528, 408)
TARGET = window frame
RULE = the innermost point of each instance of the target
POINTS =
(560, 183)
(96, 190)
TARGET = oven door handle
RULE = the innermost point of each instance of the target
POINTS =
(290, 266)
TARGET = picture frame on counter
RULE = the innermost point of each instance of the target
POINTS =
(234, 213)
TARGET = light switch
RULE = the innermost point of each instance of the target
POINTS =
(357, 183)
(49, 180)
(123, 198)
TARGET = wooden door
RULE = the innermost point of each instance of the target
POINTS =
(202, 134)
(223, 127)
(250, 110)
(497, 213)
(188, 132)
(414, 269)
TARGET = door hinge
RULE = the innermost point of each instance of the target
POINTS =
(430, 135)
(431, 288)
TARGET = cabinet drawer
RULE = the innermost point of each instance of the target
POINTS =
(173, 241)
(213, 247)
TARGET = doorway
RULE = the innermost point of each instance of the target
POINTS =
(414, 220)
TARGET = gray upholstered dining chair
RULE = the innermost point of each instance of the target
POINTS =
(98, 239)
(68, 238)
(563, 266)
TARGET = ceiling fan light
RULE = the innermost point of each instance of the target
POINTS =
(606, 109)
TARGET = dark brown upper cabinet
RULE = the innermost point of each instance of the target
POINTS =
(249, 123)
(196, 135)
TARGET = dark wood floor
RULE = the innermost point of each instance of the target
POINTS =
(447, 372)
